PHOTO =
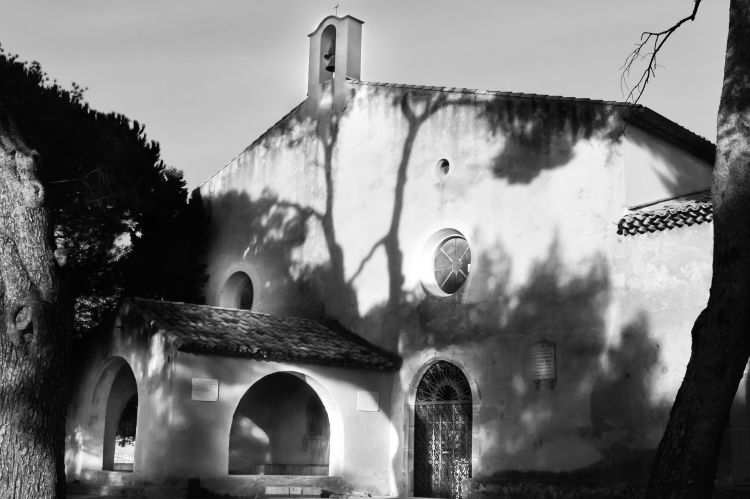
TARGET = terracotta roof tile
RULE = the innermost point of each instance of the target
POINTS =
(231, 332)
(683, 211)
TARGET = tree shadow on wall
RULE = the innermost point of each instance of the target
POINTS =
(553, 301)
(600, 419)
(271, 233)
(615, 447)
(537, 133)
(541, 134)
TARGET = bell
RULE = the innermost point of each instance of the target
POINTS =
(330, 58)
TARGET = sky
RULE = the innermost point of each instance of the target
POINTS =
(207, 77)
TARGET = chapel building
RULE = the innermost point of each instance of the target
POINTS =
(419, 291)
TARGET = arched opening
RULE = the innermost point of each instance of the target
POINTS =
(120, 422)
(280, 427)
(237, 292)
(327, 53)
(442, 432)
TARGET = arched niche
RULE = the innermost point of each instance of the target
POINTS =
(237, 292)
(280, 427)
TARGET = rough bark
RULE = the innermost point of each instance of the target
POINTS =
(687, 456)
(33, 332)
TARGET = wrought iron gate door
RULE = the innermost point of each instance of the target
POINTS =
(442, 432)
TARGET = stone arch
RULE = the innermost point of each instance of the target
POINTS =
(115, 387)
(285, 423)
(411, 402)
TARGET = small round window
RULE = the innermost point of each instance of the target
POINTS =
(452, 262)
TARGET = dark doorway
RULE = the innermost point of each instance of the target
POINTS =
(442, 432)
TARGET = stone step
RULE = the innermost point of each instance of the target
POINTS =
(269, 486)
(81, 490)
(87, 489)
(291, 491)
(103, 477)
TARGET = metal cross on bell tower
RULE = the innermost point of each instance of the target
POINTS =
(336, 9)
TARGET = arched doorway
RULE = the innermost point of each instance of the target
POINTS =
(442, 432)
(120, 422)
(280, 427)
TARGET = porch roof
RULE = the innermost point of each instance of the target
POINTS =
(207, 330)
(692, 209)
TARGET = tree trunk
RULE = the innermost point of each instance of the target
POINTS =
(34, 332)
(686, 460)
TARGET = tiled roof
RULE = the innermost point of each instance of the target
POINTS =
(688, 210)
(636, 114)
(241, 333)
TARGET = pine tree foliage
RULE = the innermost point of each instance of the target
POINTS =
(119, 212)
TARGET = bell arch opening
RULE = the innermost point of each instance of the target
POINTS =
(280, 427)
(443, 416)
(121, 417)
(327, 53)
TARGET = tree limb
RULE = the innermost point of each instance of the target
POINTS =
(648, 48)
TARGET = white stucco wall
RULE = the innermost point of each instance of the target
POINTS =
(178, 438)
(150, 359)
(656, 170)
(360, 441)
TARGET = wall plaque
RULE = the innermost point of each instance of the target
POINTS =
(368, 401)
(205, 390)
(543, 363)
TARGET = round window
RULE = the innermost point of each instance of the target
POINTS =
(452, 261)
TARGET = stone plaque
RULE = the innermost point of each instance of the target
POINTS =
(543, 361)
(368, 401)
(205, 390)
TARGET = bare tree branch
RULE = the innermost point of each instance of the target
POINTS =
(648, 48)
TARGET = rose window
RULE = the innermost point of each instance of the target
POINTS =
(451, 264)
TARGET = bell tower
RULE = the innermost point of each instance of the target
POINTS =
(335, 56)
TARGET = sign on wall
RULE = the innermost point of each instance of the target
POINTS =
(368, 401)
(543, 363)
(205, 390)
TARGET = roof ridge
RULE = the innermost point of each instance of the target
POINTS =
(636, 114)
(229, 309)
(522, 95)
(258, 139)
(644, 206)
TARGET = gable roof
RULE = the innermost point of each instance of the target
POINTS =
(207, 330)
(635, 114)
(692, 209)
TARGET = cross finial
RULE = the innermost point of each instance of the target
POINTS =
(336, 9)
